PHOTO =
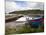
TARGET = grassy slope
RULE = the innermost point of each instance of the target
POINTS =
(28, 12)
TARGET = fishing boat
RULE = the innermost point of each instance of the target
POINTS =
(35, 22)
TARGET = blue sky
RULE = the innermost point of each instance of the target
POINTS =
(22, 5)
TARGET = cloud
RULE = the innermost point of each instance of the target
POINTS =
(22, 5)
(13, 6)
(17, 0)
(10, 6)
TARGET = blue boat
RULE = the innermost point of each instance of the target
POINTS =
(36, 22)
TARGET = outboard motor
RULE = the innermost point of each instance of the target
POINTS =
(28, 21)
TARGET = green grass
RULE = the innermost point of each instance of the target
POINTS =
(28, 12)
(24, 29)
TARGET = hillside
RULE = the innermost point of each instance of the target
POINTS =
(28, 12)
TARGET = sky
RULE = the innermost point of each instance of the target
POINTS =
(12, 5)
